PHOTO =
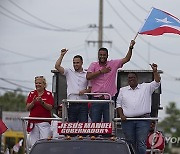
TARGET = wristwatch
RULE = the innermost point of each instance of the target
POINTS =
(131, 47)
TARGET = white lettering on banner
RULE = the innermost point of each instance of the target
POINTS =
(84, 128)
(70, 125)
(84, 131)
(97, 125)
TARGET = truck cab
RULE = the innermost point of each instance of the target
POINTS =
(81, 146)
(59, 86)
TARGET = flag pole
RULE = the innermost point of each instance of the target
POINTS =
(136, 36)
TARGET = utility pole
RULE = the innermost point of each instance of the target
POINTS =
(100, 35)
(100, 28)
(0, 135)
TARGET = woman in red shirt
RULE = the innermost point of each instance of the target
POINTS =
(40, 103)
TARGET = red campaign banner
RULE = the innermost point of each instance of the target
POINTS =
(84, 128)
(3, 127)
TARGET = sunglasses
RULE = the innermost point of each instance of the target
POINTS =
(39, 77)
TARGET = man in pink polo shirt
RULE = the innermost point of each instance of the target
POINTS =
(102, 75)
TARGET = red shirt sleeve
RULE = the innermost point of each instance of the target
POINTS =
(50, 99)
(30, 97)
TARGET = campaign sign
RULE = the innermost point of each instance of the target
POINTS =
(84, 128)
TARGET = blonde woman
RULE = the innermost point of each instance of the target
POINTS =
(40, 103)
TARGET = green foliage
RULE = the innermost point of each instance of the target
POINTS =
(13, 101)
(171, 124)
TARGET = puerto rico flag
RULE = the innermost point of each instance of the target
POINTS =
(160, 22)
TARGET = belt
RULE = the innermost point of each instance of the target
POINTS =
(146, 115)
(102, 97)
(77, 104)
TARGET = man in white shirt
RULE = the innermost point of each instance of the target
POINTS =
(135, 101)
(77, 85)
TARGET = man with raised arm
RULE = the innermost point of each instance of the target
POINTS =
(103, 75)
(77, 85)
(134, 101)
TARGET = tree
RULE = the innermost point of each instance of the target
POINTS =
(13, 101)
(171, 124)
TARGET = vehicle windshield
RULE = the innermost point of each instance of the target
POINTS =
(77, 147)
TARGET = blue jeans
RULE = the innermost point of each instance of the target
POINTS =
(78, 112)
(98, 110)
(136, 133)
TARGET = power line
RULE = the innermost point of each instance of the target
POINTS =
(28, 56)
(19, 62)
(24, 81)
(5, 80)
(35, 17)
(159, 49)
(26, 22)
(22, 20)
(155, 47)
(169, 91)
(142, 8)
(10, 89)
(20, 54)
(130, 11)
(126, 42)
(23, 55)
(117, 50)
(124, 21)
(117, 32)
(43, 21)
(172, 78)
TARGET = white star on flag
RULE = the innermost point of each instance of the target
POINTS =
(163, 20)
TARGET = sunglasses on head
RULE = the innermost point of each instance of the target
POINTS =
(39, 77)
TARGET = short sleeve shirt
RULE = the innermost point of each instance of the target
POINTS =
(76, 81)
(38, 110)
(105, 83)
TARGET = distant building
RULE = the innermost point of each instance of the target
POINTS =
(13, 120)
